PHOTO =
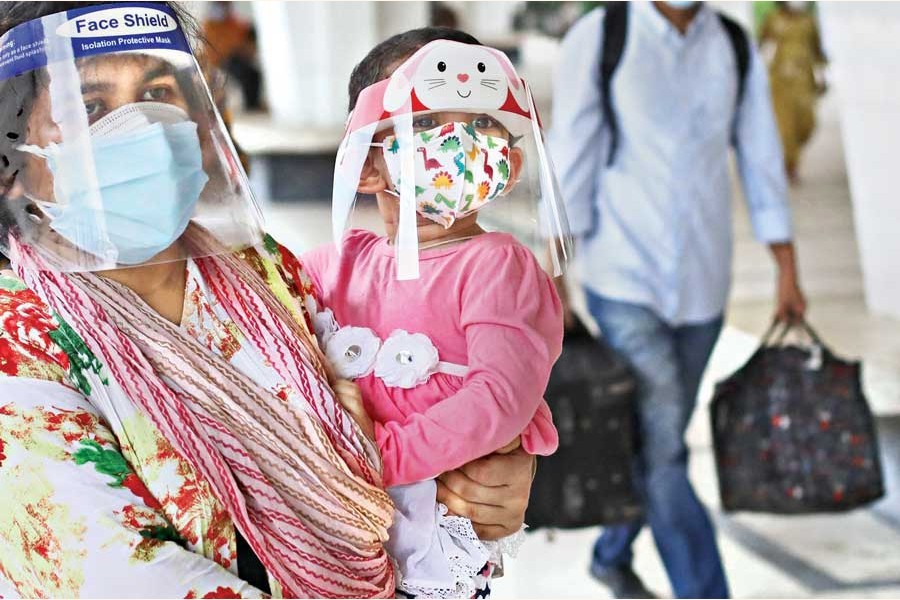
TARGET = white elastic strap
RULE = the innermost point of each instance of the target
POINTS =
(37, 150)
(548, 193)
(406, 246)
(452, 369)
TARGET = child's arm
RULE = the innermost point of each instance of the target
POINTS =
(512, 320)
(350, 397)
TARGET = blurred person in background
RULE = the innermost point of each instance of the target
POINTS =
(231, 47)
(648, 195)
(795, 74)
(441, 15)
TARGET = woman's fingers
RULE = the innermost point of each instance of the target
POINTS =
(492, 492)
(492, 533)
(495, 470)
(497, 521)
(468, 489)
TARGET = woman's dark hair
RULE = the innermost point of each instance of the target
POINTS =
(381, 61)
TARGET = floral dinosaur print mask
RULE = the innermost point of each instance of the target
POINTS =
(458, 170)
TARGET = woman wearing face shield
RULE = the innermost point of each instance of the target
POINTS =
(167, 426)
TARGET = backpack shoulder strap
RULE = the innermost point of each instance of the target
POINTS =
(740, 44)
(615, 29)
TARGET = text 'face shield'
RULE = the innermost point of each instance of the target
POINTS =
(453, 132)
(112, 146)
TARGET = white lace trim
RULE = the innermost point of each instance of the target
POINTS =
(466, 556)
(508, 546)
(465, 567)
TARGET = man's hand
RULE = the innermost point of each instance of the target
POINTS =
(790, 306)
(492, 492)
(350, 397)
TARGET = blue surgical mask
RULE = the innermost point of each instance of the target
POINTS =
(149, 177)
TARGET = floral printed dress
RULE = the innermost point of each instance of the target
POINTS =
(96, 507)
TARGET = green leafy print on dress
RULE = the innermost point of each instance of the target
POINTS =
(11, 284)
(81, 358)
(110, 462)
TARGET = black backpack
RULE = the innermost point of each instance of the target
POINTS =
(615, 29)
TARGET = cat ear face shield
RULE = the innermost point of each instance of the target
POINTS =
(458, 133)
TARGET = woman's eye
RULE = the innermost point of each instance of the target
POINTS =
(156, 94)
(93, 108)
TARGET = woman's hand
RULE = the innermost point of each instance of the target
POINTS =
(350, 397)
(492, 491)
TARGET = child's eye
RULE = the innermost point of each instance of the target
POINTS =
(425, 122)
(485, 122)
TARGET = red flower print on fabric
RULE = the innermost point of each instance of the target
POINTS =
(219, 592)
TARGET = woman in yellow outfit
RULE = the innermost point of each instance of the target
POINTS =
(792, 29)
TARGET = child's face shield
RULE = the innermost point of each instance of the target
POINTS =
(112, 149)
(453, 132)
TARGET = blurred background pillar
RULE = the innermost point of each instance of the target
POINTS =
(862, 40)
(308, 49)
(304, 82)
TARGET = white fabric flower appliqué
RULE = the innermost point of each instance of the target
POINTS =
(352, 351)
(406, 360)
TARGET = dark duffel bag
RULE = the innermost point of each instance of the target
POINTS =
(792, 431)
(588, 481)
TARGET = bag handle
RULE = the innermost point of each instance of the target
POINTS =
(785, 328)
(767, 336)
(803, 325)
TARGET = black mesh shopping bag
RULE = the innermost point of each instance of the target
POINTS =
(588, 480)
(793, 433)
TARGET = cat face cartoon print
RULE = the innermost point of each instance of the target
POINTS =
(446, 75)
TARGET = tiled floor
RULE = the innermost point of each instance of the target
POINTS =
(852, 555)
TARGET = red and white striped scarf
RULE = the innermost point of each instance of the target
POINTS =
(301, 483)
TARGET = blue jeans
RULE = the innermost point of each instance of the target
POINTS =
(669, 362)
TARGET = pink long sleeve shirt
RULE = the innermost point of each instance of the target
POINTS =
(484, 303)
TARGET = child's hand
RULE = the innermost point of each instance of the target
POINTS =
(350, 397)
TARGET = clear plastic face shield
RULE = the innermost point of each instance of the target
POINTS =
(455, 136)
(113, 153)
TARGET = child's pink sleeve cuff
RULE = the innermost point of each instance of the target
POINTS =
(541, 437)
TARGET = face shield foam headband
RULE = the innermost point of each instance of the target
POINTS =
(453, 169)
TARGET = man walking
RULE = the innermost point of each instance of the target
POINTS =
(648, 99)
